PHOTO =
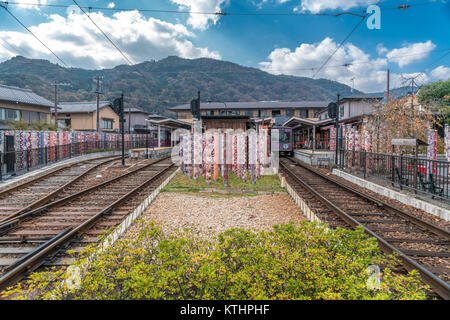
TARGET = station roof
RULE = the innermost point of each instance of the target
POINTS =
(24, 96)
(360, 97)
(232, 116)
(135, 110)
(254, 105)
(296, 122)
(81, 107)
(168, 122)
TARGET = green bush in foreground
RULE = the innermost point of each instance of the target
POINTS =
(305, 262)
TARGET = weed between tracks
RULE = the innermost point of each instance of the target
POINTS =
(304, 262)
(237, 187)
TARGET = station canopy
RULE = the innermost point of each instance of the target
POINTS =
(408, 142)
(296, 122)
(168, 122)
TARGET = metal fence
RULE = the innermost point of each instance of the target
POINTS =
(17, 162)
(420, 175)
(323, 144)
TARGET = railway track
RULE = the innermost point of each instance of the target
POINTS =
(420, 244)
(36, 192)
(41, 236)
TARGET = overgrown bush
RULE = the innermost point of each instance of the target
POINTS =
(304, 262)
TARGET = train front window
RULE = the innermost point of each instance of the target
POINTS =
(285, 137)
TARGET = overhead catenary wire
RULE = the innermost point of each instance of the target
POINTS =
(343, 41)
(106, 36)
(219, 13)
(340, 45)
(31, 32)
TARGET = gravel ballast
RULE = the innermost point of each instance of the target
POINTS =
(211, 214)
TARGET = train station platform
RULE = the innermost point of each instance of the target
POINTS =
(153, 152)
(315, 157)
(431, 206)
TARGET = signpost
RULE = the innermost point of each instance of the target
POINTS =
(195, 108)
(333, 112)
(118, 108)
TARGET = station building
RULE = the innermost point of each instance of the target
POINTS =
(316, 138)
(254, 110)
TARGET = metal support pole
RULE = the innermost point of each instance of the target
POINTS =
(159, 136)
(337, 128)
(28, 160)
(56, 106)
(146, 142)
(314, 138)
(98, 104)
(122, 130)
(365, 163)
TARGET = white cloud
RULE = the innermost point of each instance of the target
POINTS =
(111, 5)
(411, 53)
(78, 42)
(201, 21)
(316, 6)
(369, 74)
(31, 4)
(440, 73)
(381, 49)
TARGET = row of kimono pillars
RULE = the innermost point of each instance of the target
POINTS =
(215, 154)
(16, 161)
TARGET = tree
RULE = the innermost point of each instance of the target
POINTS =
(398, 119)
(436, 96)
(434, 93)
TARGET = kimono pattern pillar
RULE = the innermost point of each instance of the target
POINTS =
(252, 155)
(432, 150)
(216, 154)
(198, 152)
(447, 145)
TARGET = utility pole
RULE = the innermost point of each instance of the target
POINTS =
(55, 84)
(97, 91)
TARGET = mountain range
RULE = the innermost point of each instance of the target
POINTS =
(157, 85)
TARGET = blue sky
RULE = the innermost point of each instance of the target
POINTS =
(408, 42)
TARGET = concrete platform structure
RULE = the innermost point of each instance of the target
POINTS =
(430, 208)
(315, 157)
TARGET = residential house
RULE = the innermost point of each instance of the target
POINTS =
(82, 116)
(135, 119)
(22, 104)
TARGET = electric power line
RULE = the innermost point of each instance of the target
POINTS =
(20, 22)
(221, 13)
(340, 45)
(421, 74)
(106, 36)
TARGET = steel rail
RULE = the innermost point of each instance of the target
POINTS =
(35, 260)
(8, 224)
(37, 179)
(441, 287)
(47, 197)
(412, 218)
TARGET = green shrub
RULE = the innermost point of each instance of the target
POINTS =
(304, 262)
